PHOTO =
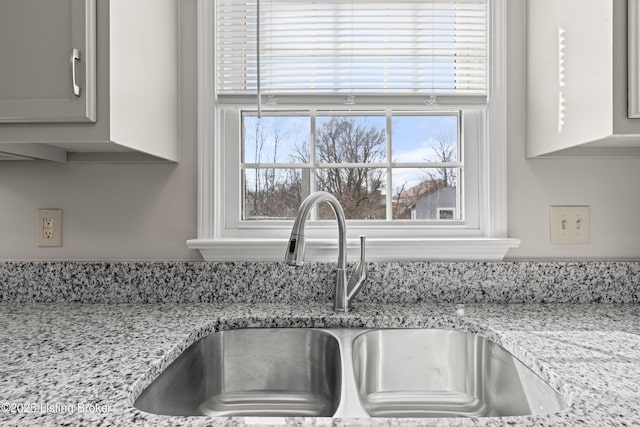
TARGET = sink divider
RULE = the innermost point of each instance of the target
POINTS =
(350, 405)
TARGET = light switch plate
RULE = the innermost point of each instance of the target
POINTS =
(570, 225)
(49, 227)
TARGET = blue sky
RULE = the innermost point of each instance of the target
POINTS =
(413, 136)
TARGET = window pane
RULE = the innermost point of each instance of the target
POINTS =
(275, 139)
(273, 193)
(425, 139)
(351, 139)
(426, 194)
(361, 192)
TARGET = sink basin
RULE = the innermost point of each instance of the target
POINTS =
(443, 373)
(245, 372)
(348, 373)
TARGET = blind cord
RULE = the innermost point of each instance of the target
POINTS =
(258, 87)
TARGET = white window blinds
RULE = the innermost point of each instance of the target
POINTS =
(408, 50)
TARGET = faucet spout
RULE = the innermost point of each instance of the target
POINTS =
(295, 249)
(346, 288)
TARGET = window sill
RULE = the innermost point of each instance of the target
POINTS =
(435, 249)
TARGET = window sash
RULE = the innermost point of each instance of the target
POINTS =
(388, 165)
(233, 226)
(359, 49)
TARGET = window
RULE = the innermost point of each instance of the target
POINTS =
(383, 104)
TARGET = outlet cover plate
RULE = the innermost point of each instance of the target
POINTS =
(49, 228)
(570, 225)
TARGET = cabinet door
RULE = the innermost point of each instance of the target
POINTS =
(634, 59)
(47, 61)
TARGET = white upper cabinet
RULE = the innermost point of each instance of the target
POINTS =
(89, 80)
(47, 67)
(634, 58)
(577, 98)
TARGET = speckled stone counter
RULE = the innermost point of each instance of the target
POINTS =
(83, 364)
(258, 282)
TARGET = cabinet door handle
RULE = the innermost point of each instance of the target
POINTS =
(75, 57)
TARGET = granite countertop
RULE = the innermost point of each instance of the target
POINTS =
(83, 364)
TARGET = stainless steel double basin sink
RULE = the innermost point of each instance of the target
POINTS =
(303, 372)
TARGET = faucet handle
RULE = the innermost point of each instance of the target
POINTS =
(363, 262)
(359, 274)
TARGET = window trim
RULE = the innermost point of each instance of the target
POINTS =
(490, 242)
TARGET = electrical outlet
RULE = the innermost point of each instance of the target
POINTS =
(49, 227)
(570, 225)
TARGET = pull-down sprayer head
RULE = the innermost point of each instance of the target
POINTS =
(295, 250)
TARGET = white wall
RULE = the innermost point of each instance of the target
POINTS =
(148, 211)
(610, 186)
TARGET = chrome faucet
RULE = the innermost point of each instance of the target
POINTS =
(346, 288)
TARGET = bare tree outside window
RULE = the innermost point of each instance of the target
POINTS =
(343, 140)
(270, 192)
(444, 151)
